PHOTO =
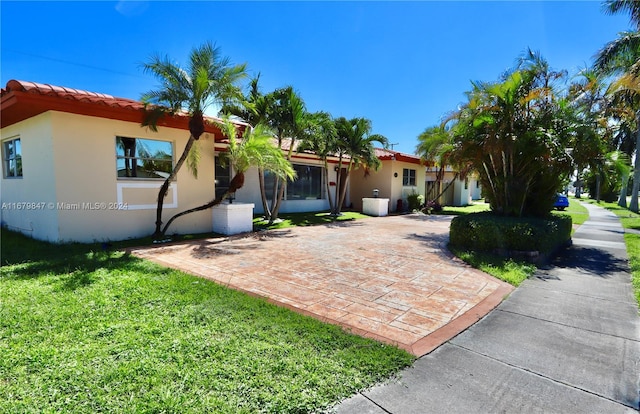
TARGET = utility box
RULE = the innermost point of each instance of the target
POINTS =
(233, 218)
(376, 207)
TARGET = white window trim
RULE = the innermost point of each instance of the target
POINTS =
(121, 202)
(4, 165)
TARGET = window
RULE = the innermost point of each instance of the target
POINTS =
(408, 177)
(143, 158)
(223, 178)
(306, 186)
(12, 156)
(466, 183)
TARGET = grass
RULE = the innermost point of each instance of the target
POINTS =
(508, 270)
(579, 213)
(475, 207)
(84, 329)
(305, 219)
(629, 220)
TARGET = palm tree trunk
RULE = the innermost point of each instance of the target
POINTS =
(343, 190)
(165, 186)
(622, 199)
(236, 183)
(263, 194)
(327, 185)
(633, 205)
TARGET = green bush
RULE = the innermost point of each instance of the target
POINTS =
(415, 201)
(491, 233)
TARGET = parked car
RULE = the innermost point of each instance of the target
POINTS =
(561, 202)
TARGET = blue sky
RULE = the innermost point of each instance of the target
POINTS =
(403, 65)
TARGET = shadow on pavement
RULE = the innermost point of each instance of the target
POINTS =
(591, 260)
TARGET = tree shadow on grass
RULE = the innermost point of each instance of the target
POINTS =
(71, 272)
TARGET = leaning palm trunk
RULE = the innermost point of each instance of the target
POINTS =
(327, 184)
(165, 186)
(633, 205)
(236, 183)
(622, 199)
(343, 190)
(263, 195)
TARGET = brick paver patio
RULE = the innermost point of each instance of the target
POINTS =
(389, 278)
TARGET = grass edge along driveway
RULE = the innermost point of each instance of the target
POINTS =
(84, 329)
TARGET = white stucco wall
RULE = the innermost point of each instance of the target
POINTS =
(26, 201)
(388, 180)
(69, 162)
(250, 192)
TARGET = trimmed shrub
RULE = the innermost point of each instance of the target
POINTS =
(415, 201)
(491, 233)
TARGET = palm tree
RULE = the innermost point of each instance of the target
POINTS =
(435, 144)
(623, 53)
(207, 79)
(621, 57)
(356, 141)
(322, 141)
(625, 92)
(256, 148)
(253, 108)
(288, 117)
(514, 133)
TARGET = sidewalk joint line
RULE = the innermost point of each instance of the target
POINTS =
(575, 387)
(569, 326)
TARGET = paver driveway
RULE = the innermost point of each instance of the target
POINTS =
(389, 278)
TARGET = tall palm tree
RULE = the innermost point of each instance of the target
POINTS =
(435, 144)
(255, 148)
(625, 92)
(621, 54)
(254, 108)
(356, 141)
(289, 119)
(207, 79)
(322, 141)
(621, 57)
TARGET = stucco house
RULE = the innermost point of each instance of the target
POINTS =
(77, 166)
(399, 176)
(459, 192)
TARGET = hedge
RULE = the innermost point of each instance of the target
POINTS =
(491, 233)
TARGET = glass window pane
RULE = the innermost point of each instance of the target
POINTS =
(307, 185)
(8, 150)
(19, 166)
(143, 158)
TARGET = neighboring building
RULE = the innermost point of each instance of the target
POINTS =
(399, 176)
(457, 192)
(77, 166)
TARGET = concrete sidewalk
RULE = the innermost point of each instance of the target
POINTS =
(566, 341)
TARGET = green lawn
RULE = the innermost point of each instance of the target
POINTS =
(305, 219)
(84, 330)
(579, 214)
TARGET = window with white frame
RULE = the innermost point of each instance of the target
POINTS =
(12, 157)
(408, 177)
(143, 158)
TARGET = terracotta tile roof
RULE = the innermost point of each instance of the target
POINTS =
(21, 100)
(70, 93)
(387, 154)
